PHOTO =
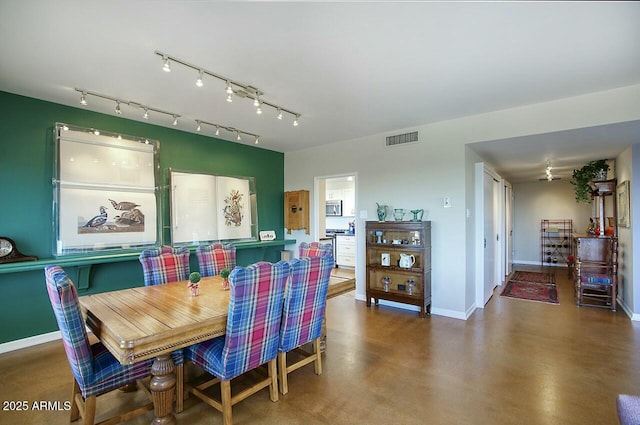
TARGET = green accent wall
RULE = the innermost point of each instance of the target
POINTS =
(26, 196)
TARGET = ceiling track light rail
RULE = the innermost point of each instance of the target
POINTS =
(232, 87)
(149, 109)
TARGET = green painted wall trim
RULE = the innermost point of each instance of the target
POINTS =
(26, 196)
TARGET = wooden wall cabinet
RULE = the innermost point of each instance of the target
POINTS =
(393, 240)
(296, 210)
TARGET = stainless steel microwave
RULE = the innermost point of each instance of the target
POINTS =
(333, 208)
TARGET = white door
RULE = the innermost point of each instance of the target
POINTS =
(490, 236)
(508, 231)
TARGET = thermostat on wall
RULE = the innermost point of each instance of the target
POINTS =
(267, 235)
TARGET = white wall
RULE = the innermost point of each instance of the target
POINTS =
(533, 202)
(624, 163)
(419, 175)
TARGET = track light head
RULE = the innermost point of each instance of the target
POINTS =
(257, 140)
(258, 110)
(229, 88)
(238, 138)
(165, 65)
(83, 98)
(118, 110)
(146, 114)
(217, 130)
(279, 114)
(199, 82)
(229, 98)
(199, 127)
(295, 121)
(175, 120)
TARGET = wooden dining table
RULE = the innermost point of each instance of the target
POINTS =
(152, 321)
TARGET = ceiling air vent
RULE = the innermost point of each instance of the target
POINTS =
(400, 139)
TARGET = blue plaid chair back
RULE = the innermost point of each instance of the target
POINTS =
(165, 264)
(64, 300)
(215, 257)
(305, 301)
(255, 311)
(314, 249)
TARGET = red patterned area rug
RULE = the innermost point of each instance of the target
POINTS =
(532, 286)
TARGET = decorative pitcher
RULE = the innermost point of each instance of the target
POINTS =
(406, 261)
(382, 211)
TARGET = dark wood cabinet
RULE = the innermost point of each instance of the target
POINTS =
(399, 263)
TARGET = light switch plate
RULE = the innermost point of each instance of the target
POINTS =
(446, 202)
(363, 214)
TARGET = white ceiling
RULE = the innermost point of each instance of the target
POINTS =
(351, 69)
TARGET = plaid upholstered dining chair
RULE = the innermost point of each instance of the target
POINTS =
(251, 340)
(215, 257)
(95, 371)
(163, 265)
(314, 249)
(303, 314)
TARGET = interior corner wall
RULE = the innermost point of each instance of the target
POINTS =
(627, 294)
(533, 202)
(26, 196)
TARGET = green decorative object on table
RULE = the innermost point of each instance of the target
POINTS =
(194, 283)
(382, 211)
(224, 274)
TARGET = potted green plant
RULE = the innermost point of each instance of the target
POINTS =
(582, 178)
(194, 282)
(224, 274)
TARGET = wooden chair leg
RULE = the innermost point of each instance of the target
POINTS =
(282, 373)
(75, 411)
(317, 364)
(89, 416)
(273, 374)
(225, 392)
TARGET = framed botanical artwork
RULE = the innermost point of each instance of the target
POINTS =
(623, 204)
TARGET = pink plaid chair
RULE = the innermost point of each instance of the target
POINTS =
(215, 257)
(251, 340)
(303, 314)
(95, 370)
(314, 249)
(165, 264)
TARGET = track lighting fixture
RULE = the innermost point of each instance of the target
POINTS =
(146, 108)
(199, 82)
(83, 99)
(165, 64)
(257, 139)
(232, 87)
(548, 171)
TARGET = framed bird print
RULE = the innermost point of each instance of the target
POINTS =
(105, 191)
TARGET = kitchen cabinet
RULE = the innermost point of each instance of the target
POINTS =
(349, 202)
(345, 251)
(399, 263)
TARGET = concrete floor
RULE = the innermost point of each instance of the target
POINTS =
(514, 362)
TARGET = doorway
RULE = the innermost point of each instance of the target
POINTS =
(335, 202)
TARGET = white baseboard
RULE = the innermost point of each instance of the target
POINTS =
(437, 311)
(29, 342)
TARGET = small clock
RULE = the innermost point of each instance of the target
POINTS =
(9, 252)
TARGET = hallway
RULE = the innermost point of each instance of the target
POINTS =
(515, 362)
